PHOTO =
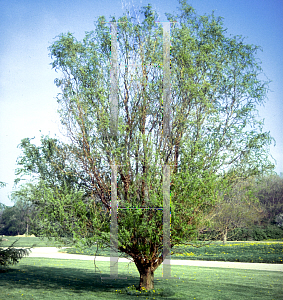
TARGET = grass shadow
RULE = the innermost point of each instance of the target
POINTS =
(76, 280)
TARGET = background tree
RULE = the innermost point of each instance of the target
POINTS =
(14, 220)
(2, 208)
(2, 184)
(270, 195)
(279, 220)
(239, 209)
(2, 205)
(214, 91)
(10, 255)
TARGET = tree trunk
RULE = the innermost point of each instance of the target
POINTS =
(146, 269)
(225, 236)
(146, 279)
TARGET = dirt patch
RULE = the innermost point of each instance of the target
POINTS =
(23, 235)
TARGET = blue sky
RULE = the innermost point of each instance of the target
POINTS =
(27, 90)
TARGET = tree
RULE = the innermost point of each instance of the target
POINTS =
(13, 221)
(2, 208)
(240, 208)
(214, 93)
(10, 255)
(2, 184)
(2, 205)
(25, 212)
(270, 195)
(279, 220)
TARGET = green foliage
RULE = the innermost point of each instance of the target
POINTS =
(259, 234)
(256, 233)
(16, 220)
(273, 232)
(239, 208)
(12, 221)
(270, 195)
(50, 163)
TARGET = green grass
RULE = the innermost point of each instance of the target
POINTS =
(45, 278)
(257, 252)
(28, 242)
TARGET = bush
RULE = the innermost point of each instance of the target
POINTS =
(11, 255)
(259, 234)
(239, 234)
(256, 233)
(274, 232)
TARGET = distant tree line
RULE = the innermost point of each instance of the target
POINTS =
(16, 219)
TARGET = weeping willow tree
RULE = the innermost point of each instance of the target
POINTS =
(214, 137)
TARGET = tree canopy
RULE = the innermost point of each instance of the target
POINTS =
(215, 137)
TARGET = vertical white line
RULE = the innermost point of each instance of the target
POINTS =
(113, 132)
(114, 224)
(166, 133)
(166, 221)
(114, 81)
(166, 80)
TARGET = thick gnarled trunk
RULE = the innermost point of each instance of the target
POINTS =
(146, 269)
(146, 279)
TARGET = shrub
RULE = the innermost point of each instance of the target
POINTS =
(11, 255)
(274, 232)
(259, 234)
(256, 233)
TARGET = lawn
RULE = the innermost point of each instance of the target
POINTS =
(45, 278)
(28, 242)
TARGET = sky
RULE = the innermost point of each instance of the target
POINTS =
(28, 106)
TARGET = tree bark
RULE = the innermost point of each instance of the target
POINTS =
(225, 236)
(146, 269)
(146, 279)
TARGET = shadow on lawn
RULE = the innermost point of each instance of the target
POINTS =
(74, 280)
(42, 277)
